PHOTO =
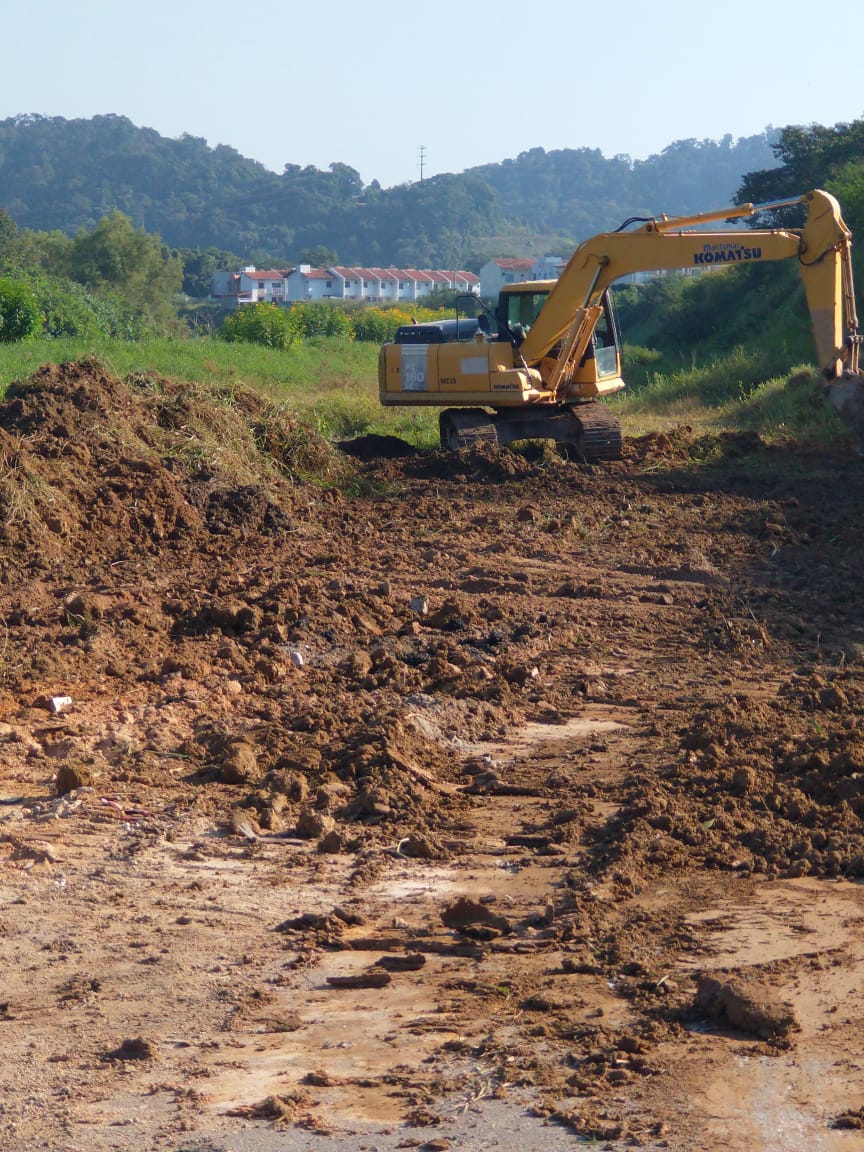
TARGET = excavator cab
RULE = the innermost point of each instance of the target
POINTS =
(517, 310)
(604, 342)
(520, 305)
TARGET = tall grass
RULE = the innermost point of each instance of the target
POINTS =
(331, 384)
(736, 393)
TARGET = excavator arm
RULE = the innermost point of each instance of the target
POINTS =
(822, 247)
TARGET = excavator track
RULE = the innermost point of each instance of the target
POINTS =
(464, 427)
(588, 431)
(600, 432)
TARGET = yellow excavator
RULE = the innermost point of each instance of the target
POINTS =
(537, 367)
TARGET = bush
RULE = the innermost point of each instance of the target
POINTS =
(20, 318)
(321, 320)
(66, 308)
(378, 325)
(265, 324)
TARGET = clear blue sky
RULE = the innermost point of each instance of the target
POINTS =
(367, 84)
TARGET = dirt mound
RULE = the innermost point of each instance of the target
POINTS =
(375, 447)
(96, 467)
(261, 729)
(679, 445)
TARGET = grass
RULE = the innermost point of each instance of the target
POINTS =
(331, 384)
(733, 394)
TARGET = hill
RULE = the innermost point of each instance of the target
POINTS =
(68, 174)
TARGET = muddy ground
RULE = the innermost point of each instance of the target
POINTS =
(390, 800)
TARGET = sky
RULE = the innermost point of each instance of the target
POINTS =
(372, 84)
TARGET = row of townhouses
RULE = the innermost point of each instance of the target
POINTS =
(303, 282)
(383, 285)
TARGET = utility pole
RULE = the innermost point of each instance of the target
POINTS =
(421, 156)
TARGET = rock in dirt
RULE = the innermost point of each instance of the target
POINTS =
(331, 843)
(464, 913)
(853, 1120)
(407, 962)
(281, 1109)
(137, 1049)
(240, 765)
(71, 777)
(745, 1006)
(312, 825)
(374, 979)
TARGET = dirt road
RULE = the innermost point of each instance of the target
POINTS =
(490, 801)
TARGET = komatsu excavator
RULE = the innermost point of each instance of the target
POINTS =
(537, 368)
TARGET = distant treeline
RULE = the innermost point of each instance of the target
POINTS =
(66, 175)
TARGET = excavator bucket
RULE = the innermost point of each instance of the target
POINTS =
(846, 396)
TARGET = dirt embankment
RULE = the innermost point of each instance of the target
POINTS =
(549, 775)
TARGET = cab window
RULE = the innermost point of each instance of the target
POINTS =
(523, 308)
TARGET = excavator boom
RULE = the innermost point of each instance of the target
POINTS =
(822, 247)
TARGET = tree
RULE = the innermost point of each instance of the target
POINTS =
(848, 186)
(129, 260)
(320, 256)
(810, 158)
(8, 237)
(199, 267)
(20, 318)
(42, 251)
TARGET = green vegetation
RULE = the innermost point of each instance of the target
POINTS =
(265, 324)
(714, 351)
(20, 318)
(735, 393)
(717, 352)
(207, 203)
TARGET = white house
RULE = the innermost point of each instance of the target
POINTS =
(514, 270)
(307, 283)
(250, 286)
(303, 282)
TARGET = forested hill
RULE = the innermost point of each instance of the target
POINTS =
(581, 192)
(58, 174)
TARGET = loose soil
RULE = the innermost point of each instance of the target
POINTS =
(363, 794)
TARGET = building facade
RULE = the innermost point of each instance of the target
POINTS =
(371, 285)
(513, 270)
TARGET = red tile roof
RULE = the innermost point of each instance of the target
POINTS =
(259, 274)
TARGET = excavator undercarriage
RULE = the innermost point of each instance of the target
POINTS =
(588, 431)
